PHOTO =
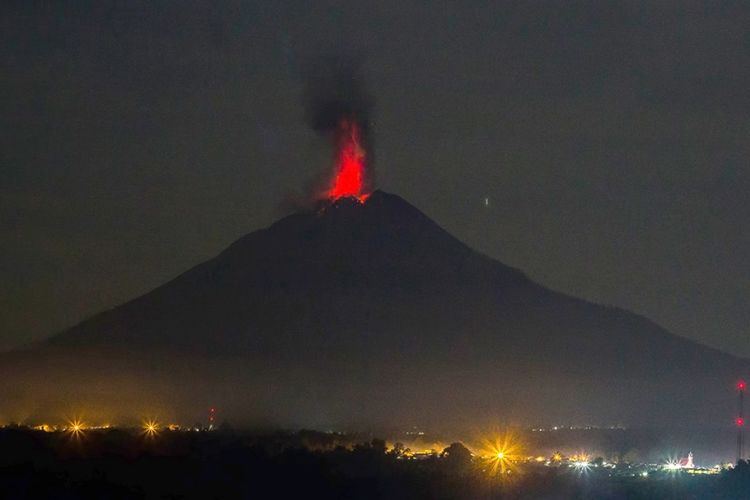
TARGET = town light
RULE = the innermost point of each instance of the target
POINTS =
(75, 427)
(150, 428)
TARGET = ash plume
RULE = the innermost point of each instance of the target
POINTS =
(335, 93)
(335, 88)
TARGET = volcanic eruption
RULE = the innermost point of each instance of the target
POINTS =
(369, 314)
(338, 108)
(350, 168)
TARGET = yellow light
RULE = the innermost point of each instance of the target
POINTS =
(76, 427)
(150, 428)
(502, 453)
(672, 465)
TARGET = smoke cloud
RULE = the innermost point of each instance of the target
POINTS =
(335, 90)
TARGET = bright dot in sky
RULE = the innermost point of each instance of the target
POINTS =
(486, 202)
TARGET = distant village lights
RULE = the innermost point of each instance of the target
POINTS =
(148, 426)
(501, 457)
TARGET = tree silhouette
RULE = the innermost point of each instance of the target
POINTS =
(457, 457)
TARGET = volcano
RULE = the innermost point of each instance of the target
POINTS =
(369, 313)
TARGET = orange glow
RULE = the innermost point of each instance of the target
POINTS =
(75, 427)
(150, 428)
(350, 163)
(501, 454)
(580, 457)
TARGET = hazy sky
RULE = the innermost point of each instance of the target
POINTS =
(611, 139)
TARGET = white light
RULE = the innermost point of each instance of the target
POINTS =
(672, 465)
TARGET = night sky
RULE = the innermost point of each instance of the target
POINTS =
(611, 140)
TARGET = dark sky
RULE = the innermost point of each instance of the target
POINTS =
(612, 140)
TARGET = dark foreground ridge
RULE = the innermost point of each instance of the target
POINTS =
(123, 464)
(371, 314)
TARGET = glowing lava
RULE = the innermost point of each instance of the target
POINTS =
(350, 163)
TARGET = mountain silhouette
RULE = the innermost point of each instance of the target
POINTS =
(371, 313)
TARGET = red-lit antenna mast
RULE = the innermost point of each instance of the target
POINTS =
(212, 419)
(740, 420)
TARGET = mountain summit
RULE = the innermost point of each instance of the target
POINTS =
(315, 272)
(372, 313)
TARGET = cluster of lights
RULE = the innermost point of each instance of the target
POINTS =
(577, 428)
(582, 465)
(501, 455)
(150, 427)
(672, 465)
(77, 426)
(580, 462)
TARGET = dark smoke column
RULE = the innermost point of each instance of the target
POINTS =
(338, 107)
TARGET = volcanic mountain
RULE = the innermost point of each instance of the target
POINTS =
(370, 313)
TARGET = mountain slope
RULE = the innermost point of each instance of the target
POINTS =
(368, 252)
(373, 312)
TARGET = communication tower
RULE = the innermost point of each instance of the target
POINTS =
(212, 419)
(740, 420)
